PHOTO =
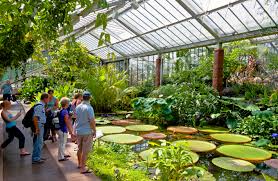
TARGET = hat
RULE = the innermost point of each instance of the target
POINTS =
(86, 93)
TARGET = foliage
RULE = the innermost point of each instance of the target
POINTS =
(259, 125)
(105, 84)
(34, 85)
(113, 162)
(163, 91)
(153, 110)
(65, 90)
(26, 25)
(69, 60)
(124, 103)
(171, 161)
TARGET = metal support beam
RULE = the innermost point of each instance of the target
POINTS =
(137, 34)
(119, 52)
(192, 13)
(225, 39)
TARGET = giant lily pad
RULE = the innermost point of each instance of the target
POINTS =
(102, 122)
(125, 122)
(272, 163)
(142, 128)
(231, 138)
(154, 136)
(197, 146)
(122, 138)
(182, 129)
(111, 129)
(148, 155)
(244, 152)
(211, 130)
(233, 164)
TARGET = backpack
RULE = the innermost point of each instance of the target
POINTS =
(55, 120)
(27, 121)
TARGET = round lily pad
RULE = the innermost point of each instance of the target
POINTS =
(125, 122)
(102, 122)
(197, 146)
(233, 164)
(210, 130)
(182, 129)
(231, 138)
(148, 155)
(244, 152)
(272, 163)
(142, 128)
(111, 129)
(122, 138)
(154, 136)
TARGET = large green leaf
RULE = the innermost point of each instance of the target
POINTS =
(244, 152)
(148, 155)
(208, 129)
(142, 128)
(233, 164)
(122, 138)
(196, 145)
(231, 138)
(111, 129)
(182, 129)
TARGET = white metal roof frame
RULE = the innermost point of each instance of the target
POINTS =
(160, 26)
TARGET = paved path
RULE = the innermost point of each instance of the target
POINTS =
(17, 168)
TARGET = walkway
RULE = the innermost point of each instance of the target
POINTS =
(16, 168)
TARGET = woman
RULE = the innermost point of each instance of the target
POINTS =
(11, 128)
(65, 127)
(51, 107)
(74, 103)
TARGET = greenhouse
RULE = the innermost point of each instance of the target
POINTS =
(128, 90)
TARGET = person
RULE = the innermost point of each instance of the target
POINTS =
(51, 107)
(65, 127)
(39, 119)
(85, 130)
(7, 90)
(74, 103)
(11, 128)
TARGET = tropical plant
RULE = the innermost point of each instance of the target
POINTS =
(68, 60)
(124, 103)
(171, 161)
(114, 162)
(105, 84)
(65, 90)
(34, 85)
(261, 124)
(153, 110)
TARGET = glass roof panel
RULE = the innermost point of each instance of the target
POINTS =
(200, 6)
(103, 52)
(216, 18)
(88, 41)
(271, 6)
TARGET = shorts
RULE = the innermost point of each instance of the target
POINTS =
(85, 143)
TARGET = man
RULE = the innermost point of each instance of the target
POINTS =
(7, 90)
(39, 119)
(85, 130)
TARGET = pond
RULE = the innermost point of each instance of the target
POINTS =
(205, 158)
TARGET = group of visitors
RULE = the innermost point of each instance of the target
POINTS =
(75, 118)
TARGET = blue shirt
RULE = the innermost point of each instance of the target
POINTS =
(10, 124)
(62, 123)
(39, 112)
(7, 89)
(84, 114)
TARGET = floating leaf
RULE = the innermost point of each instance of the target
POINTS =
(233, 164)
(272, 163)
(111, 129)
(231, 138)
(244, 152)
(182, 129)
(210, 130)
(125, 122)
(261, 142)
(142, 128)
(196, 145)
(122, 138)
(102, 122)
(154, 136)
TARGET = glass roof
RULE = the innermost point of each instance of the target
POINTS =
(149, 27)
